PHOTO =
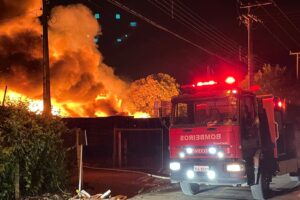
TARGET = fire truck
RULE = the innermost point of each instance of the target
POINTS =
(223, 135)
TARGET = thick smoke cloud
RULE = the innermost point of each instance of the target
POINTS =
(78, 75)
(15, 8)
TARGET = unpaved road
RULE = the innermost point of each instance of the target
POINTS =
(140, 186)
(283, 187)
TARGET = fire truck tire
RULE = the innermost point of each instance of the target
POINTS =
(189, 188)
(262, 189)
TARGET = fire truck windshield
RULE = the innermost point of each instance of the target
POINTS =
(206, 112)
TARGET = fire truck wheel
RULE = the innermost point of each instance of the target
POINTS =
(262, 189)
(189, 188)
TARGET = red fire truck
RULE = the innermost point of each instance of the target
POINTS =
(223, 135)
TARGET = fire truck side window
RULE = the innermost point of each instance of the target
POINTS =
(201, 114)
(184, 113)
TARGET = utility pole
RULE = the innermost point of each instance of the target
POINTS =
(297, 62)
(248, 20)
(46, 68)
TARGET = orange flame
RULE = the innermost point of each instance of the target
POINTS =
(81, 84)
(67, 109)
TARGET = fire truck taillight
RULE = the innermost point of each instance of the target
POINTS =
(230, 80)
(280, 104)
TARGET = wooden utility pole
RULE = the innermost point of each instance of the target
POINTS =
(297, 62)
(46, 68)
(248, 20)
(4, 96)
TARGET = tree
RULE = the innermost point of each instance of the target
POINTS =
(32, 157)
(143, 93)
(277, 81)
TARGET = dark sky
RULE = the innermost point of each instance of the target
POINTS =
(145, 49)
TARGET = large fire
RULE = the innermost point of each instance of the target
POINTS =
(81, 84)
(60, 109)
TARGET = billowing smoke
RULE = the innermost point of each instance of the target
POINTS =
(80, 82)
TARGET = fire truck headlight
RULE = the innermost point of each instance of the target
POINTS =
(220, 154)
(189, 150)
(181, 155)
(175, 166)
(190, 174)
(234, 167)
(211, 174)
(212, 150)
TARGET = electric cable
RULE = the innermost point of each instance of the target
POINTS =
(277, 38)
(198, 31)
(279, 25)
(138, 15)
(210, 31)
(216, 31)
(286, 17)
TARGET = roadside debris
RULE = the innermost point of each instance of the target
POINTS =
(84, 196)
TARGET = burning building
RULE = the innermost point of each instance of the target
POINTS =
(81, 84)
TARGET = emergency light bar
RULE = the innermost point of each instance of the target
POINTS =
(206, 83)
(229, 81)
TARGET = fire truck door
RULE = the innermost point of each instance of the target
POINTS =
(248, 116)
(268, 105)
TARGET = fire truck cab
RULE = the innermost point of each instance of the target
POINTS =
(223, 135)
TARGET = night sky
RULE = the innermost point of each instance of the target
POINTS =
(145, 49)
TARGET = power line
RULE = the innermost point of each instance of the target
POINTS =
(205, 24)
(232, 51)
(277, 38)
(280, 26)
(197, 29)
(125, 8)
(214, 30)
(286, 17)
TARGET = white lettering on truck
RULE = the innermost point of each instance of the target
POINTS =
(200, 137)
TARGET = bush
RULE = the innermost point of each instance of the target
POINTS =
(32, 142)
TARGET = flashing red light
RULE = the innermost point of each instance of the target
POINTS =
(199, 84)
(230, 80)
(254, 88)
(234, 91)
(280, 104)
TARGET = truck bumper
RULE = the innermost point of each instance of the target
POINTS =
(215, 174)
